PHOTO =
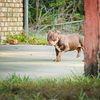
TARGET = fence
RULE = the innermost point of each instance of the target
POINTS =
(65, 28)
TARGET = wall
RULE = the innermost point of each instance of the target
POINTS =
(11, 17)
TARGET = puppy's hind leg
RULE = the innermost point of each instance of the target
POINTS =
(78, 52)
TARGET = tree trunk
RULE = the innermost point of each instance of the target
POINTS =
(91, 40)
(98, 56)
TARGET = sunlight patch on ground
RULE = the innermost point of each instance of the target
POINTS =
(24, 53)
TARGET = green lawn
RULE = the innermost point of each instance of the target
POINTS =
(75, 88)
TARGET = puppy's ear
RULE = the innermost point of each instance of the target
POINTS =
(58, 32)
(49, 32)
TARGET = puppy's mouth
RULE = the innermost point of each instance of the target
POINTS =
(51, 43)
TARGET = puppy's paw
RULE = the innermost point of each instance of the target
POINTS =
(83, 60)
(78, 56)
(56, 60)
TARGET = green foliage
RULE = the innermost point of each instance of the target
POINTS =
(75, 88)
(24, 39)
(77, 16)
(47, 11)
(57, 3)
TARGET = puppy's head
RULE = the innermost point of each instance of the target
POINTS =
(52, 38)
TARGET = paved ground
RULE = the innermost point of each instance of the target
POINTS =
(37, 61)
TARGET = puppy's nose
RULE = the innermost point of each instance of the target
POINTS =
(50, 44)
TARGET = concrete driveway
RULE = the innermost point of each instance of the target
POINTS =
(36, 61)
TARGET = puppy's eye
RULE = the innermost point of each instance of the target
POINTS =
(49, 37)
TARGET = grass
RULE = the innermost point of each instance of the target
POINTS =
(76, 88)
(23, 39)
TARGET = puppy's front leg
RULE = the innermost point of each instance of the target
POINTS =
(57, 47)
(58, 55)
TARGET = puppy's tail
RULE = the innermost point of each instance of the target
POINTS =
(81, 30)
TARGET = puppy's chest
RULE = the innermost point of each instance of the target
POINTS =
(61, 46)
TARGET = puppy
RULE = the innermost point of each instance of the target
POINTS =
(64, 43)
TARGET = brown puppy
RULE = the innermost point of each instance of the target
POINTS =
(64, 43)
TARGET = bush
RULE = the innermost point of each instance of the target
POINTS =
(76, 88)
(23, 39)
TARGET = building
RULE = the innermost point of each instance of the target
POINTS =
(11, 16)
